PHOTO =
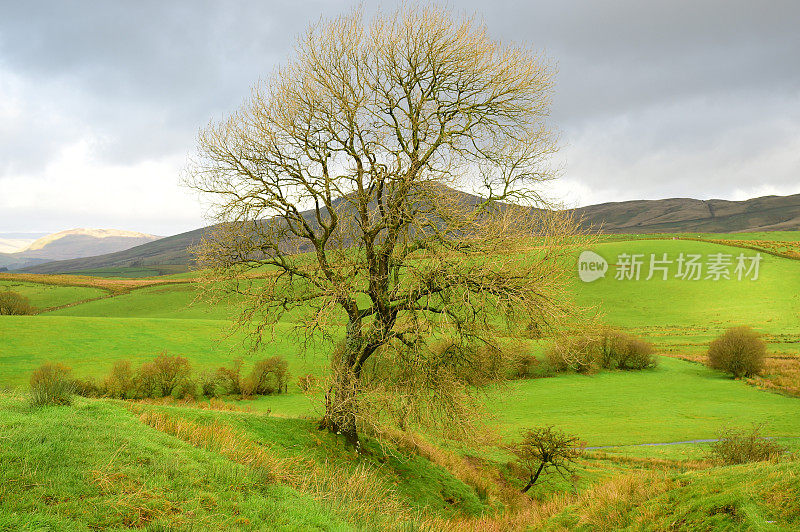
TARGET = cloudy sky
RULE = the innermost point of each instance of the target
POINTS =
(100, 102)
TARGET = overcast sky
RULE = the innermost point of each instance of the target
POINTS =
(100, 102)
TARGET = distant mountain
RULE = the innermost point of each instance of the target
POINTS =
(171, 250)
(72, 244)
(14, 242)
(677, 215)
(683, 215)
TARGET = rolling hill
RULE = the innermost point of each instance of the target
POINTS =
(683, 215)
(74, 244)
(676, 215)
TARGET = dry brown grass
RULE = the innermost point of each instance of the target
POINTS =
(358, 494)
(486, 481)
(115, 286)
(779, 248)
(210, 404)
(603, 507)
(781, 373)
(134, 505)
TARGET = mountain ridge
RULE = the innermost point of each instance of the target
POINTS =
(671, 215)
(74, 244)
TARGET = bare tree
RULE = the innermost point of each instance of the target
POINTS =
(544, 448)
(386, 179)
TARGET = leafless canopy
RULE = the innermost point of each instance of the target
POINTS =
(386, 179)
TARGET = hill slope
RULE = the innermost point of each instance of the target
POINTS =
(73, 244)
(683, 215)
(677, 215)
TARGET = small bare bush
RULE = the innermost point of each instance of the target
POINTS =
(268, 376)
(14, 304)
(606, 348)
(573, 353)
(52, 384)
(544, 448)
(740, 446)
(525, 366)
(740, 351)
(208, 384)
(163, 376)
(87, 388)
(306, 382)
(229, 380)
(636, 354)
(120, 383)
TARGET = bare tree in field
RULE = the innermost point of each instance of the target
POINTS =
(340, 188)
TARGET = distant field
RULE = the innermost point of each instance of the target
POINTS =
(683, 314)
(678, 401)
(91, 345)
(134, 272)
(46, 296)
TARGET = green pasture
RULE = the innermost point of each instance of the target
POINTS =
(90, 346)
(677, 401)
(48, 295)
(677, 312)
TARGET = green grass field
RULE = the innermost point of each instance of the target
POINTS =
(98, 465)
(44, 296)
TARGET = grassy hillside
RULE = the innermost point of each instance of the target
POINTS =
(102, 465)
(263, 465)
(44, 296)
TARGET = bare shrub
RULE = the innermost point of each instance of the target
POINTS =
(120, 383)
(740, 351)
(208, 384)
(606, 348)
(543, 448)
(163, 376)
(229, 380)
(87, 388)
(636, 354)
(14, 304)
(267, 377)
(52, 384)
(525, 366)
(306, 382)
(740, 446)
(573, 353)
(186, 389)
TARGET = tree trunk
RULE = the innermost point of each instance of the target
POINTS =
(533, 478)
(341, 398)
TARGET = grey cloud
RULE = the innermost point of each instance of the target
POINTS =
(639, 83)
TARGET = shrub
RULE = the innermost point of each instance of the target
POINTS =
(52, 384)
(306, 382)
(636, 354)
(186, 389)
(525, 366)
(739, 446)
(573, 353)
(87, 388)
(606, 349)
(14, 304)
(208, 384)
(268, 376)
(740, 351)
(120, 383)
(229, 380)
(163, 376)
